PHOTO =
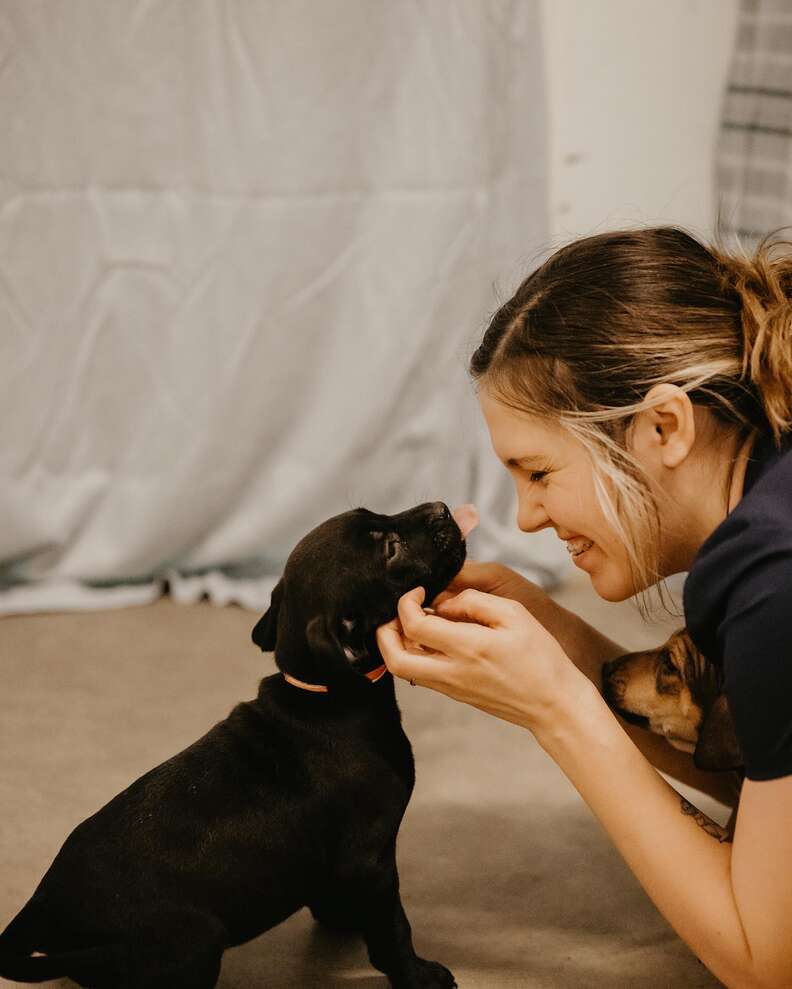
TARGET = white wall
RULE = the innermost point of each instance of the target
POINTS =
(634, 95)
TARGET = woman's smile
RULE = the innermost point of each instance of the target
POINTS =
(577, 545)
(583, 558)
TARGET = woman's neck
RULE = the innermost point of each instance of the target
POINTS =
(702, 508)
(738, 473)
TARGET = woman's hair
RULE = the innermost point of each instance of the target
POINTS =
(605, 318)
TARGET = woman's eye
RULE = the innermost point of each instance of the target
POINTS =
(537, 475)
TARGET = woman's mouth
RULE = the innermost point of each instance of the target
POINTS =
(578, 546)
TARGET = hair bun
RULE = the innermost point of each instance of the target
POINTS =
(764, 285)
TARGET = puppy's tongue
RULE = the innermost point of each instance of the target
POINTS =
(467, 518)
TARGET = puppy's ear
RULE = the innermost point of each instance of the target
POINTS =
(265, 633)
(332, 646)
(717, 747)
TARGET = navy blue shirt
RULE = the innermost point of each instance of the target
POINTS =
(738, 608)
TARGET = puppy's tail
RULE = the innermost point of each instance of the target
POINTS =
(17, 961)
(30, 968)
(83, 964)
(20, 962)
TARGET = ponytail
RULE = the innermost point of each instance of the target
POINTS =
(764, 287)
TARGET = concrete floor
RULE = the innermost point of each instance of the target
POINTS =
(506, 876)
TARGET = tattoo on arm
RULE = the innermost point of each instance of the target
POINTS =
(716, 830)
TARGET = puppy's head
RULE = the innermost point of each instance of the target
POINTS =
(345, 578)
(676, 692)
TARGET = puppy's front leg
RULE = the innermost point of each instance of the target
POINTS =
(388, 936)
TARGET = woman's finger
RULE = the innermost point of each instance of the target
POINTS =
(471, 605)
(447, 637)
(417, 666)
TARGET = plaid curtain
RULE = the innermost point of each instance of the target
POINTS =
(754, 153)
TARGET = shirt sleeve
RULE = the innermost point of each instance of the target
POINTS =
(756, 636)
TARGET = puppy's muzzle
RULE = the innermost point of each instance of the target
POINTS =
(444, 530)
(614, 686)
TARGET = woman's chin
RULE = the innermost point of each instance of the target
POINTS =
(611, 585)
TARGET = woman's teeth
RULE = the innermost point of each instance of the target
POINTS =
(577, 546)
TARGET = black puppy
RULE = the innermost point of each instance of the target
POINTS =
(295, 799)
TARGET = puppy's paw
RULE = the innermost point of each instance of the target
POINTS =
(427, 975)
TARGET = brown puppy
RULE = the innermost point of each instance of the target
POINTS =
(675, 691)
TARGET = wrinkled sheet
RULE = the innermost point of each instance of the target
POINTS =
(245, 252)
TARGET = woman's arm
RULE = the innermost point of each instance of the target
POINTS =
(732, 904)
(589, 649)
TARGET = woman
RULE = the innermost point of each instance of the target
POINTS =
(638, 387)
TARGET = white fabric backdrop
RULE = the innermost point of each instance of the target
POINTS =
(245, 251)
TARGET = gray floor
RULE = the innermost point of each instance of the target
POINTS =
(506, 876)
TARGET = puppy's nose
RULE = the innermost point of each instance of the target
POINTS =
(612, 687)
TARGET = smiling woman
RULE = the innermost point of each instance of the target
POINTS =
(638, 388)
(562, 495)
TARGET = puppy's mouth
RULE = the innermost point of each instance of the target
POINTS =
(449, 535)
(445, 536)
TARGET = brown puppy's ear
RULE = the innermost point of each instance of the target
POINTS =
(718, 748)
(265, 633)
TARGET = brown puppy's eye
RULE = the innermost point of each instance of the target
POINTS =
(667, 665)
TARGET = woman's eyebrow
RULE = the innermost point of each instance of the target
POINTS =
(531, 461)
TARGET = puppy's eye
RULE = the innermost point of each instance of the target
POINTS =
(668, 665)
(376, 536)
(391, 547)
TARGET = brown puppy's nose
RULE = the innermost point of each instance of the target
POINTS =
(612, 688)
(610, 667)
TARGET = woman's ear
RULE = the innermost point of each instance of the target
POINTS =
(718, 748)
(265, 632)
(664, 434)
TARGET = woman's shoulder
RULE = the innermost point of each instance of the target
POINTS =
(750, 550)
(738, 604)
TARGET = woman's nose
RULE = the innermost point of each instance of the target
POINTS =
(531, 516)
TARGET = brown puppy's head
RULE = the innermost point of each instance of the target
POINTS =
(345, 578)
(676, 692)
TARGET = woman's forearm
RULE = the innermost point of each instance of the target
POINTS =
(493, 654)
(585, 645)
(589, 649)
(684, 868)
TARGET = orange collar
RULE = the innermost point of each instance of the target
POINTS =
(318, 688)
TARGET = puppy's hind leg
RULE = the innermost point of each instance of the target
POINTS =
(175, 951)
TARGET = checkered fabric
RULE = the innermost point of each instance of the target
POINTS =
(754, 153)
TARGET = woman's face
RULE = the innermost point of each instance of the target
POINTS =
(555, 488)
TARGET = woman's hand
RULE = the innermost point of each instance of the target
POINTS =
(484, 650)
(498, 579)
